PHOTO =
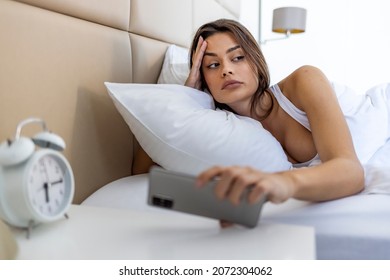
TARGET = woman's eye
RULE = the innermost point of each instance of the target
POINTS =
(238, 58)
(213, 65)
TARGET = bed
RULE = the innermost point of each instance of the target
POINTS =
(352, 228)
(55, 59)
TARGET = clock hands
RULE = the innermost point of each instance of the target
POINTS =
(57, 182)
(46, 186)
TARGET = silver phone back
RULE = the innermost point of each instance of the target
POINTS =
(177, 191)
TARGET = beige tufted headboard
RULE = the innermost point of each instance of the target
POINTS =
(56, 54)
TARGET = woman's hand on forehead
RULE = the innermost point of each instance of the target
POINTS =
(194, 78)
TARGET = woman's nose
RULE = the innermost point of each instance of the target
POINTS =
(226, 68)
(226, 71)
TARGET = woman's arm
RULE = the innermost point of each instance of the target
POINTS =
(340, 173)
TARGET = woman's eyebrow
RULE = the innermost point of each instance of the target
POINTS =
(233, 48)
(228, 51)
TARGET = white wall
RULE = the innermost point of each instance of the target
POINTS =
(348, 39)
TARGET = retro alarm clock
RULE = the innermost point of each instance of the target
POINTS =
(36, 180)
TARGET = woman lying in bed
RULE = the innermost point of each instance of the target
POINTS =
(301, 112)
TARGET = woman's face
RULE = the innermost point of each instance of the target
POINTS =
(227, 72)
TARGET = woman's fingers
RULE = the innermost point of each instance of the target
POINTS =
(199, 53)
(225, 224)
(255, 195)
(235, 182)
(208, 175)
(242, 186)
(194, 77)
(232, 182)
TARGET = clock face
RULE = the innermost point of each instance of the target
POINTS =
(48, 185)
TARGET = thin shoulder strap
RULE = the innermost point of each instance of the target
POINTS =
(297, 114)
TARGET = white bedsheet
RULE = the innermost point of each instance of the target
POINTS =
(377, 172)
(356, 227)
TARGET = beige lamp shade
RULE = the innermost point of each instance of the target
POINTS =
(289, 20)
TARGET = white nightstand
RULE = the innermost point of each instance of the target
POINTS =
(104, 233)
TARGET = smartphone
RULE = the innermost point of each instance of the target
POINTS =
(177, 191)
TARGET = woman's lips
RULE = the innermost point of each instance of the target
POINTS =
(230, 84)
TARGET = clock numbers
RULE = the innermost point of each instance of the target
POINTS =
(47, 186)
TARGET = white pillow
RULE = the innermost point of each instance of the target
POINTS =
(180, 130)
(175, 68)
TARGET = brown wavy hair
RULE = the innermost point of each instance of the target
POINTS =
(251, 50)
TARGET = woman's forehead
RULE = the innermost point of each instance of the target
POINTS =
(221, 42)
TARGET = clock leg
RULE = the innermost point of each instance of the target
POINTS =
(66, 215)
(29, 228)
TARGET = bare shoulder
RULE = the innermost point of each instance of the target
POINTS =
(304, 76)
(305, 84)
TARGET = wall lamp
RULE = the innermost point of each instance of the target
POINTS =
(286, 20)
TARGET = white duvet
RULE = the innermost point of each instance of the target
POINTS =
(368, 117)
(377, 172)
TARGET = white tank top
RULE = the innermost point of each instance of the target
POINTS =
(298, 115)
(287, 106)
